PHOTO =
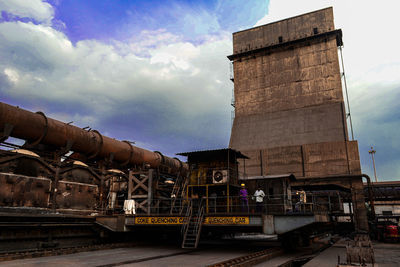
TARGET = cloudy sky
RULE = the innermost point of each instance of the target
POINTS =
(156, 72)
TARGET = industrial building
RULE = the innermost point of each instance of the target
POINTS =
(289, 135)
(289, 109)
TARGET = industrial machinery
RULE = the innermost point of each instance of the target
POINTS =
(63, 168)
(220, 176)
(289, 124)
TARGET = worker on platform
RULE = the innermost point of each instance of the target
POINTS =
(259, 196)
(243, 196)
(302, 200)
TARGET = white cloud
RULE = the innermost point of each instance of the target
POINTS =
(180, 84)
(36, 9)
(177, 55)
(12, 75)
(146, 40)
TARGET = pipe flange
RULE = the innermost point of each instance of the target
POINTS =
(130, 153)
(180, 164)
(162, 157)
(46, 127)
(97, 151)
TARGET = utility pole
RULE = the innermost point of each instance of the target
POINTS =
(372, 152)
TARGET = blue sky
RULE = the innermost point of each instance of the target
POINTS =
(156, 72)
(109, 20)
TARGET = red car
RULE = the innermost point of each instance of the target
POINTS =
(388, 232)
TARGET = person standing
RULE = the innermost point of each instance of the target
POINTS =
(300, 206)
(303, 196)
(243, 195)
(259, 195)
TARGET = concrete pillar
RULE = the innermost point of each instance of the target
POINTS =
(268, 224)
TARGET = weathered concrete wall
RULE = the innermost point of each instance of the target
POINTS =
(308, 160)
(288, 79)
(289, 111)
(321, 123)
(289, 29)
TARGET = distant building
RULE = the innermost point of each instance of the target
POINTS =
(387, 198)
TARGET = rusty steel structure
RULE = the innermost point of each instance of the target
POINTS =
(36, 128)
(63, 168)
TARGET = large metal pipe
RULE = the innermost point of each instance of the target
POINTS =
(37, 128)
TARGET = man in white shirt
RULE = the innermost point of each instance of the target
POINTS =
(259, 195)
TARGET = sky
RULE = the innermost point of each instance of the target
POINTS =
(156, 72)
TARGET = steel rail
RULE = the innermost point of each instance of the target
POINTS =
(251, 259)
(24, 254)
(145, 259)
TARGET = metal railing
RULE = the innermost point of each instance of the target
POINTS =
(239, 205)
(192, 227)
(276, 204)
(188, 214)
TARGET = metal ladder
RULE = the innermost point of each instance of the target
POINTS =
(179, 191)
(192, 227)
(175, 192)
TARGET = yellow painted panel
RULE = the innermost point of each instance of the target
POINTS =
(226, 220)
(180, 220)
(159, 220)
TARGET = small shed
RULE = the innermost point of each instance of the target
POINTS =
(214, 176)
(219, 166)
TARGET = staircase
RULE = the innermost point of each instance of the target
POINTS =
(191, 229)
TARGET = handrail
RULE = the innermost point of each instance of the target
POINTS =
(279, 204)
(188, 215)
(179, 187)
(199, 222)
(175, 191)
(194, 225)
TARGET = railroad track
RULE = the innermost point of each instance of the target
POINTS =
(250, 259)
(145, 259)
(165, 256)
(7, 256)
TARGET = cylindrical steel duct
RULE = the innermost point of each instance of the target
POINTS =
(37, 128)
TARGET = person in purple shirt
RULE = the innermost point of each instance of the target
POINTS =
(243, 195)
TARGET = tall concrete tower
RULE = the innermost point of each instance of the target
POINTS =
(289, 110)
